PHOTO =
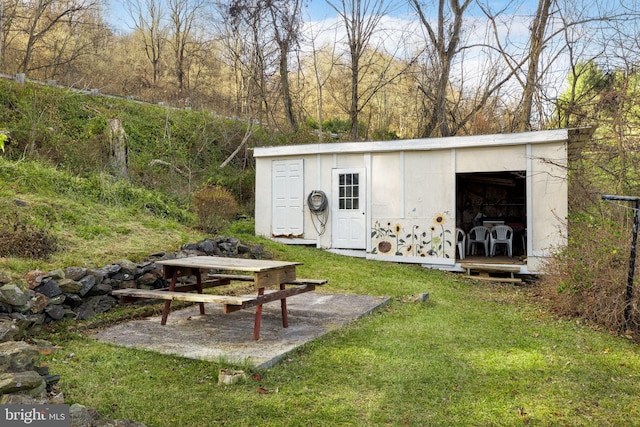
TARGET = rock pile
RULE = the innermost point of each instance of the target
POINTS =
(80, 293)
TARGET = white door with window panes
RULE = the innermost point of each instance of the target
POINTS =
(348, 209)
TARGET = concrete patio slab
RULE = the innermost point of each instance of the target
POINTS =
(228, 337)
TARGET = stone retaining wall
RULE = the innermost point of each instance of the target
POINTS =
(78, 292)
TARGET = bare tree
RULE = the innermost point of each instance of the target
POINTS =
(44, 17)
(362, 19)
(285, 18)
(148, 19)
(183, 15)
(560, 32)
(274, 26)
(323, 61)
(250, 52)
(536, 44)
(445, 39)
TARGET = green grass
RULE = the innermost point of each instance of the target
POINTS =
(95, 220)
(474, 354)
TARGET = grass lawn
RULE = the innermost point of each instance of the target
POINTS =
(474, 354)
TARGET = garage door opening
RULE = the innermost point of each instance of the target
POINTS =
(491, 198)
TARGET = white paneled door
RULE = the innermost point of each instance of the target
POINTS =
(288, 198)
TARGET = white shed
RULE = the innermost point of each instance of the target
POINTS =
(404, 200)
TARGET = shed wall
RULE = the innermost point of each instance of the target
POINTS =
(411, 196)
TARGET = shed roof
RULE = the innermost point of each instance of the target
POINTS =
(425, 144)
(422, 144)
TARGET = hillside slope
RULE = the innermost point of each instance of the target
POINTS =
(52, 219)
(152, 146)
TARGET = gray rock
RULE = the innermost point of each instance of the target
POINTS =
(87, 282)
(228, 248)
(206, 246)
(111, 269)
(126, 284)
(25, 308)
(75, 273)
(56, 312)
(190, 247)
(9, 329)
(73, 300)
(147, 279)
(58, 299)
(70, 285)
(129, 267)
(56, 274)
(35, 319)
(19, 399)
(99, 274)
(122, 276)
(80, 416)
(13, 294)
(102, 303)
(100, 289)
(97, 304)
(49, 288)
(148, 267)
(18, 356)
(84, 311)
(258, 252)
(28, 382)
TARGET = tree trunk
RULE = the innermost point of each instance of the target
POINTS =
(354, 109)
(536, 45)
(286, 90)
(118, 158)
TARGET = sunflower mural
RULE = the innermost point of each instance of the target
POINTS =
(385, 238)
(417, 240)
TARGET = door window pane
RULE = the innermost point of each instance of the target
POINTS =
(349, 191)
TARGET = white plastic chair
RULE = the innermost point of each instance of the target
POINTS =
(478, 235)
(461, 242)
(502, 235)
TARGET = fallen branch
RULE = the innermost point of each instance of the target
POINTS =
(155, 162)
(247, 134)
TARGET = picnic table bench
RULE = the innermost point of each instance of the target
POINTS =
(266, 274)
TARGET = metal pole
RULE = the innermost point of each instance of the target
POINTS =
(632, 258)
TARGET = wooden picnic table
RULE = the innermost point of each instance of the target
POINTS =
(266, 274)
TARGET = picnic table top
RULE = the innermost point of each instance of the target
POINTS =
(231, 264)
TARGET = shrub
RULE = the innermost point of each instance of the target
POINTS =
(588, 278)
(27, 241)
(215, 206)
